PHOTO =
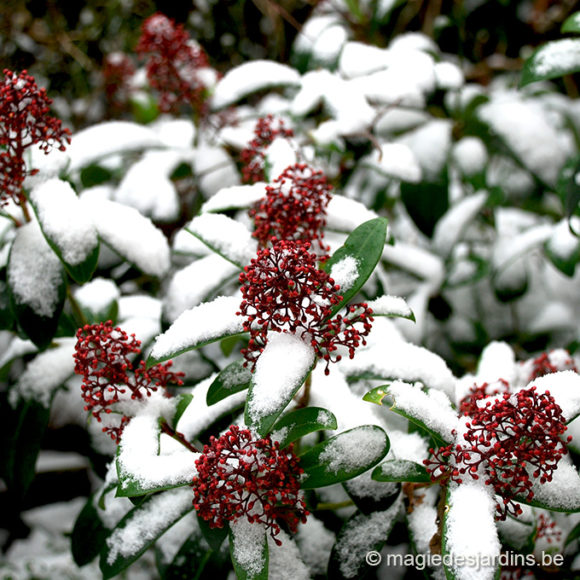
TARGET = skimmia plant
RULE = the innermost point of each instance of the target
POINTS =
(282, 308)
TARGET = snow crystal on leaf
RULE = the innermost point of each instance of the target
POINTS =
(390, 306)
(248, 540)
(34, 271)
(130, 234)
(98, 294)
(470, 155)
(357, 59)
(284, 562)
(235, 197)
(146, 524)
(345, 272)
(416, 260)
(497, 361)
(138, 456)
(315, 543)
(395, 160)
(229, 237)
(250, 77)
(109, 138)
(43, 375)
(346, 214)
(471, 503)
(563, 492)
(448, 76)
(270, 386)
(564, 386)
(64, 221)
(202, 323)
(279, 155)
(563, 243)
(557, 57)
(354, 449)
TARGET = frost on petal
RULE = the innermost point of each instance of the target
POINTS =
(147, 523)
(204, 323)
(43, 375)
(109, 138)
(250, 77)
(130, 234)
(139, 460)
(471, 503)
(64, 220)
(232, 239)
(34, 271)
(271, 387)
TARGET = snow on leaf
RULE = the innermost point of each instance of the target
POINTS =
(560, 494)
(109, 138)
(230, 238)
(553, 59)
(235, 197)
(395, 160)
(130, 234)
(469, 503)
(344, 214)
(391, 306)
(197, 326)
(249, 549)
(249, 77)
(284, 562)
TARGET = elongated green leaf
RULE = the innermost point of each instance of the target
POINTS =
(88, 534)
(201, 325)
(429, 409)
(249, 550)
(551, 60)
(359, 256)
(283, 367)
(22, 430)
(300, 422)
(233, 379)
(343, 456)
(184, 401)
(401, 470)
(568, 187)
(7, 318)
(213, 536)
(573, 535)
(141, 527)
(571, 24)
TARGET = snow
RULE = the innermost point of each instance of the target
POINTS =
(456, 220)
(563, 492)
(315, 543)
(448, 76)
(64, 221)
(34, 272)
(147, 523)
(225, 235)
(138, 457)
(130, 234)
(279, 155)
(431, 408)
(564, 386)
(284, 562)
(206, 322)
(360, 535)
(249, 77)
(214, 169)
(469, 503)
(358, 59)
(509, 247)
(345, 272)
(395, 160)
(271, 389)
(416, 260)
(470, 155)
(497, 361)
(195, 283)
(235, 197)
(46, 373)
(556, 57)
(390, 306)
(248, 541)
(98, 294)
(354, 449)
(344, 214)
(109, 138)
(563, 243)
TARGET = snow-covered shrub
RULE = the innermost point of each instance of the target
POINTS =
(305, 245)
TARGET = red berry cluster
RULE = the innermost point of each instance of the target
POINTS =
(507, 441)
(24, 121)
(543, 365)
(294, 207)
(239, 475)
(252, 157)
(468, 405)
(548, 530)
(118, 69)
(173, 64)
(284, 291)
(102, 357)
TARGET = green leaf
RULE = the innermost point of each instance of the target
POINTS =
(213, 536)
(365, 246)
(401, 470)
(300, 422)
(88, 534)
(426, 202)
(94, 174)
(240, 546)
(551, 60)
(408, 409)
(568, 186)
(144, 107)
(183, 402)
(262, 408)
(23, 428)
(233, 379)
(132, 537)
(343, 456)
(573, 535)
(571, 24)
(566, 264)
(7, 318)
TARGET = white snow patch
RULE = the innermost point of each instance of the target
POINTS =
(248, 540)
(98, 294)
(390, 306)
(345, 272)
(235, 197)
